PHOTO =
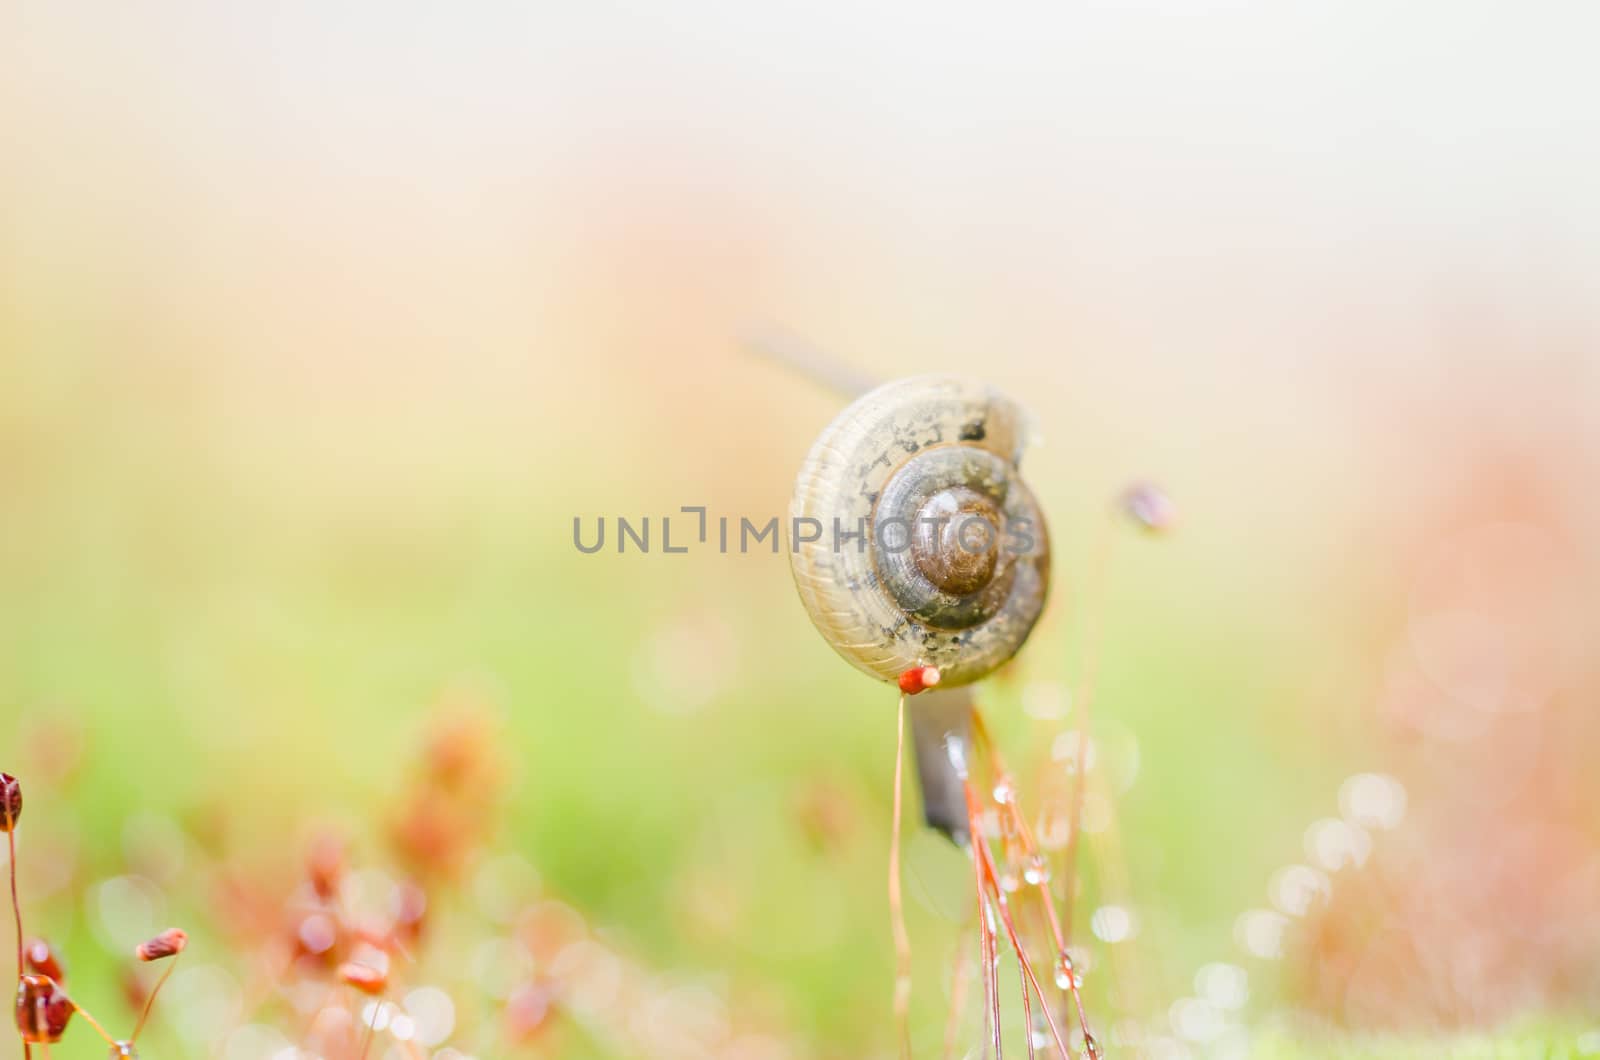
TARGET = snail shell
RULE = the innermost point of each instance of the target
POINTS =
(952, 562)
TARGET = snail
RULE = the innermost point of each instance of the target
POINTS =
(923, 558)
(916, 541)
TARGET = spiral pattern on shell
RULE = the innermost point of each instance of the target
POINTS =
(915, 541)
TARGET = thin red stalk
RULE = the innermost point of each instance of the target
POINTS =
(1063, 957)
(986, 870)
(986, 939)
(1030, 850)
(897, 912)
(150, 1000)
(16, 903)
(93, 1022)
(16, 906)
(1027, 968)
(1027, 1008)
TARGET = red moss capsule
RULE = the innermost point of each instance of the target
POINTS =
(364, 977)
(919, 679)
(10, 802)
(42, 1009)
(43, 961)
(169, 943)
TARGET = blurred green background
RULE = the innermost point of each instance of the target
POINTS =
(319, 327)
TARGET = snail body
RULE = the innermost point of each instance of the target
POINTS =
(924, 547)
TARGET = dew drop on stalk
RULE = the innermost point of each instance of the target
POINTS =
(1064, 972)
(1004, 792)
(1037, 872)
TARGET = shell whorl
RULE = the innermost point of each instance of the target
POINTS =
(952, 564)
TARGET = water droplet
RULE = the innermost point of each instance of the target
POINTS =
(1091, 1047)
(1037, 872)
(1064, 972)
(1003, 792)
